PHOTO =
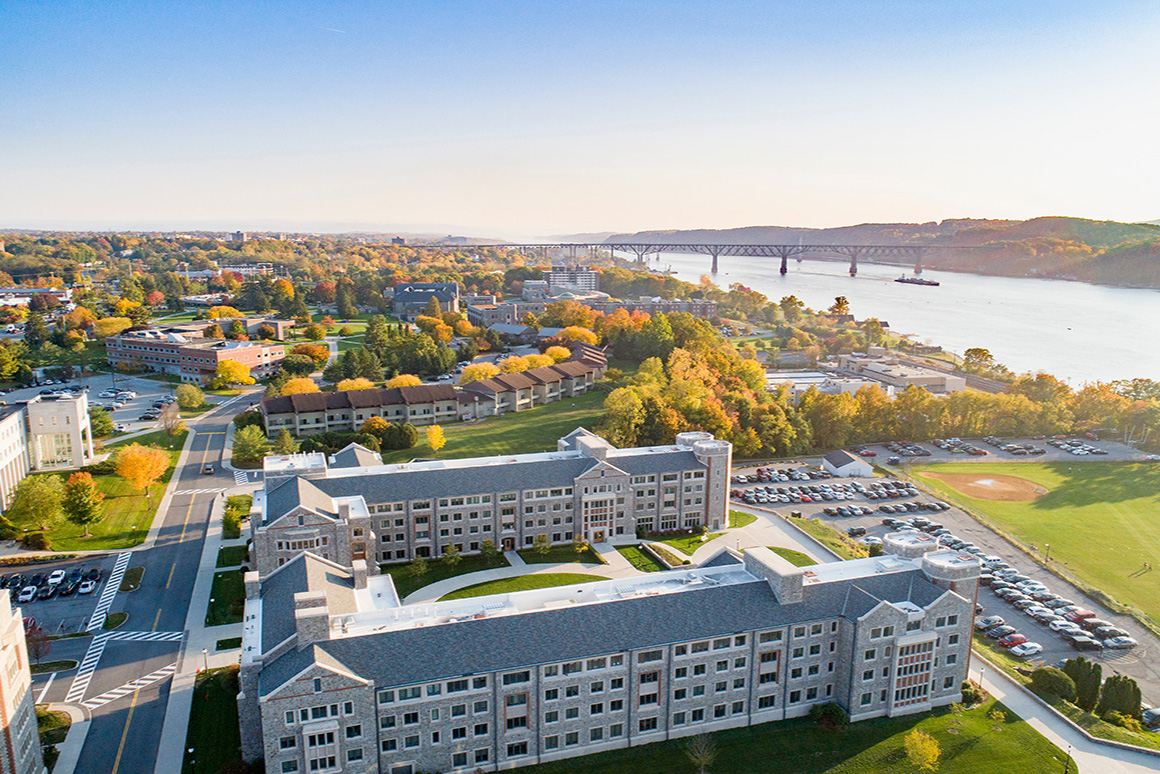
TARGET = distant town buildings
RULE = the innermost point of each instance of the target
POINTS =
(412, 298)
(800, 382)
(21, 296)
(19, 737)
(193, 359)
(572, 277)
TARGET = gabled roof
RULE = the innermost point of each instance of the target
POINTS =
(354, 456)
(297, 493)
(372, 398)
(841, 457)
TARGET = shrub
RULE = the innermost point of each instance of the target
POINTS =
(1123, 721)
(104, 468)
(829, 714)
(972, 694)
(37, 541)
(1054, 682)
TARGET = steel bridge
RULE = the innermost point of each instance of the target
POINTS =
(908, 253)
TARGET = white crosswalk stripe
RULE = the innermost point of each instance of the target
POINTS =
(211, 490)
(112, 585)
(241, 477)
(128, 688)
(146, 636)
(88, 665)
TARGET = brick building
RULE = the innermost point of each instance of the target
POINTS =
(193, 359)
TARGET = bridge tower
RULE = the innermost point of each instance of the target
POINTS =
(714, 250)
(784, 252)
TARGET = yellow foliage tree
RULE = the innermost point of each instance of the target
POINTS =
(110, 326)
(478, 371)
(435, 438)
(358, 383)
(558, 354)
(141, 465)
(513, 364)
(284, 287)
(442, 333)
(539, 361)
(218, 312)
(300, 386)
(427, 324)
(922, 750)
(464, 328)
(576, 333)
(231, 372)
(404, 380)
(123, 306)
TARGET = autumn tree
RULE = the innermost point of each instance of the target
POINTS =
(478, 372)
(110, 326)
(319, 353)
(558, 354)
(404, 380)
(220, 312)
(922, 750)
(300, 386)
(38, 501)
(840, 306)
(375, 426)
(538, 361)
(541, 545)
(314, 332)
(435, 438)
(190, 397)
(357, 383)
(231, 372)
(978, 359)
(452, 555)
(141, 466)
(83, 502)
(513, 365)
(576, 333)
(171, 420)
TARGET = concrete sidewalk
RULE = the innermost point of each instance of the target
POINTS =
(768, 530)
(74, 741)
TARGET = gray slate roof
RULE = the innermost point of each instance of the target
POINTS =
(840, 457)
(296, 492)
(354, 456)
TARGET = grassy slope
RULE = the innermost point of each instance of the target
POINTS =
(640, 560)
(1098, 517)
(982, 746)
(833, 539)
(523, 583)
(739, 519)
(535, 430)
(796, 558)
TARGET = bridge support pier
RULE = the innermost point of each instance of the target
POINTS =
(715, 253)
(784, 264)
(853, 265)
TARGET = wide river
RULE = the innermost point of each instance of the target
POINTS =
(1076, 331)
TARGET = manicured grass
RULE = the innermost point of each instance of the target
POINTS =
(739, 519)
(688, 544)
(131, 580)
(128, 512)
(232, 556)
(559, 555)
(114, 620)
(52, 725)
(227, 598)
(1098, 517)
(980, 746)
(407, 583)
(237, 508)
(836, 541)
(796, 558)
(229, 643)
(669, 556)
(44, 667)
(522, 583)
(640, 560)
(534, 430)
(214, 735)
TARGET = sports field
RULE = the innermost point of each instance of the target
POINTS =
(1100, 518)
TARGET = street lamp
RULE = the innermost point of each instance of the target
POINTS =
(1047, 549)
(205, 658)
(1067, 760)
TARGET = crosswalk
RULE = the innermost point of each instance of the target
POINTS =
(130, 687)
(112, 585)
(147, 636)
(88, 665)
(241, 478)
(208, 490)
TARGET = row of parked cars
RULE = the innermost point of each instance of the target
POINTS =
(959, 446)
(768, 475)
(46, 586)
(907, 449)
(1017, 449)
(1076, 447)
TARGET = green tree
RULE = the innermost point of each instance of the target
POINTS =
(83, 502)
(100, 422)
(297, 365)
(190, 397)
(38, 500)
(1121, 694)
(623, 415)
(579, 545)
(1055, 682)
(35, 331)
(1087, 676)
(840, 306)
(489, 552)
(541, 545)
(452, 555)
(250, 446)
(285, 443)
(978, 359)
(419, 567)
(432, 309)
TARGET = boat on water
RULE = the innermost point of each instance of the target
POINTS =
(905, 280)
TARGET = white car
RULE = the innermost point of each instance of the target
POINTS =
(87, 587)
(56, 577)
(1120, 642)
(1027, 650)
(27, 594)
(107, 394)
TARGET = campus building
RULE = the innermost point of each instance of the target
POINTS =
(393, 513)
(19, 738)
(48, 432)
(193, 359)
(891, 371)
(337, 674)
(411, 298)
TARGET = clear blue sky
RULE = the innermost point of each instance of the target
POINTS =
(533, 118)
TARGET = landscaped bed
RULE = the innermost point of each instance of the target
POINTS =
(227, 598)
(406, 582)
(522, 583)
(232, 556)
(687, 544)
(560, 555)
(640, 559)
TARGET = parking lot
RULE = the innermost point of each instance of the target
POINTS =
(59, 612)
(128, 415)
(1037, 449)
(871, 512)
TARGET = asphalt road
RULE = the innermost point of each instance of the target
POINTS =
(1140, 663)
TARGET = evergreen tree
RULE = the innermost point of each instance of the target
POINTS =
(1087, 676)
(285, 443)
(1120, 694)
(35, 331)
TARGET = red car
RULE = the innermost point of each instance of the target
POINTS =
(1011, 640)
(1075, 616)
(869, 453)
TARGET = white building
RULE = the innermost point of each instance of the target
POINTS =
(799, 382)
(19, 739)
(843, 463)
(49, 432)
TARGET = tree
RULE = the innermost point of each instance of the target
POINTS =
(541, 545)
(319, 353)
(141, 465)
(840, 306)
(38, 643)
(110, 326)
(213, 331)
(1055, 682)
(579, 545)
(35, 331)
(357, 383)
(435, 438)
(100, 422)
(1087, 676)
(432, 309)
(489, 552)
(171, 420)
(452, 555)
(478, 372)
(576, 333)
(38, 501)
(558, 354)
(250, 445)
(237, 331)
(190, 397)
(623, 415)
(300, 386)
(404, 380)
(314, 332)
(1120, 694)
(513, 365)
(978, 359)
(419, 567)
(83, 502)
(222, 312)
(376, 426)
(400, 436)
(702, 751)
(231, 372)
(285, 443)
(922, 750)
(266, 332)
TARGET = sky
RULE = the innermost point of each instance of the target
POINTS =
(524, 119)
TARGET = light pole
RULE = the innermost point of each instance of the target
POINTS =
(1067, 760)
(205, 658)
(1047, 549)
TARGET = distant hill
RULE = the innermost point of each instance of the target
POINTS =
(1101, 251)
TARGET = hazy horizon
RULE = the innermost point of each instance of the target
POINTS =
(530, 118)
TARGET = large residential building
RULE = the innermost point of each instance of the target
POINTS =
(48, 432)
(572, 276)
(390, 513)
(338, 675)
(20, 747)
(411, 298)
(196, 328)
(891, 371)
(193, 359)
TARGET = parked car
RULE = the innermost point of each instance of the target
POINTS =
(207, 470)
(1001, 631)
(56, 577)
(27, 594)
(93, 574)
(856, 531)
(990, 622)
(1011, 640)
(1027, 650)
(1083, 642)
(87, 587)
(47, 591)
(1120, 643)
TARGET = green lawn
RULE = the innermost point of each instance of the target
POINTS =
(979, 746)
(673, 559)
(44, 667)
(559, 555)
(535, 430)
(213, 735)
(640, 560)
(232, 556)
(688, 544)
(796, 558)
(739, 519)
(522, 583)
(128, 513)
(131, 580)
(227, 598)
(229, 643)
(406, 582)
(1098, 517)
(833, 539)
(52, 725)
(114, 620)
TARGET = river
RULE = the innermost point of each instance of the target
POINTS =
(1078, 332)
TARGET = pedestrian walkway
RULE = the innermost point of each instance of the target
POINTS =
(768, 530)
(112, 586)
(85, 670)
(128, 688)
(147, 636)
(209, 490)
(241, 478)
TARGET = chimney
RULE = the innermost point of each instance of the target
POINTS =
(253, 587)
(358, 570)
(311, 617)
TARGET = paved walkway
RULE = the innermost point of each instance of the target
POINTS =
(768, 530)
(74, 741)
